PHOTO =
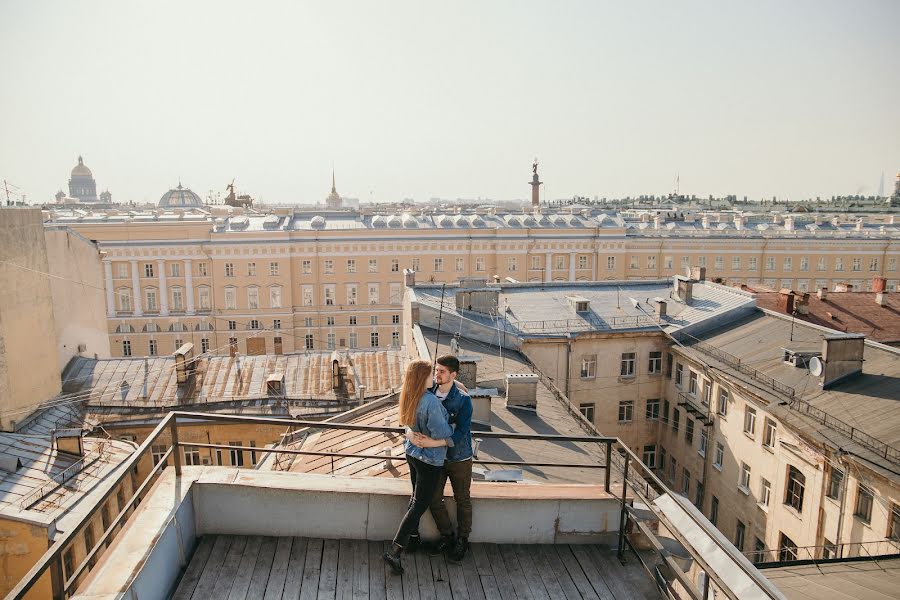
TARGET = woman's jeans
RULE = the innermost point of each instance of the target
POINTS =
(423, 477)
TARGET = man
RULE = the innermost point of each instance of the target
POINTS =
(458, 466)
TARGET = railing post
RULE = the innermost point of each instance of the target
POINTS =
(623, 516)
(57, 578)
(176, 454)
(608, 474)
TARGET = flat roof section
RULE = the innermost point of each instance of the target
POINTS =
(862, 580)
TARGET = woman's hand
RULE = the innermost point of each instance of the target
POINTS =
(423, 441)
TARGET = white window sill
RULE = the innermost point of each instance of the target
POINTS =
(762, 507)
(717, 467)
(746, 490)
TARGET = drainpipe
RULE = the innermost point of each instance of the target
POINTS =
(840, 523)
(568, 360)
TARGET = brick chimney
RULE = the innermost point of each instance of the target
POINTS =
(842, 356)
(786, 301)
(698, 273)
(879, 284)
(822, 293)
(881, 298)
(801, 303)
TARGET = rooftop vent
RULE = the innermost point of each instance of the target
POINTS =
(184, 362)
(481, 408)
(579, 304)
(68, 441)
(798, 358)
(521, 390)
(684, 289)
(9, 464)
(842, 356)
(275, 384)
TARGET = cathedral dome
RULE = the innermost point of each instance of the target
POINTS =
(180, 197)
(81, 170)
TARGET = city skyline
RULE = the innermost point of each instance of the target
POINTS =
(615, 101)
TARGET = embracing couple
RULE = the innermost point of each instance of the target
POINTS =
(437, 415)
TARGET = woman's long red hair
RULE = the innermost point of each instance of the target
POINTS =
(418, 375)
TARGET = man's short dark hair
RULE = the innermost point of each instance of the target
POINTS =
(449, 361)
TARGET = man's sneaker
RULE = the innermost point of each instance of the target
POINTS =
(394, 561)
(414, 542)
(459, 549)
(442, 546)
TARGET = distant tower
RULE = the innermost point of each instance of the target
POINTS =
(82, 185)
(895, 198)
(535, 186)
(334, 199)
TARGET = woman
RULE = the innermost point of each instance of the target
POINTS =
(422, 412)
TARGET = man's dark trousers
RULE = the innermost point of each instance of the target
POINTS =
(460, 475)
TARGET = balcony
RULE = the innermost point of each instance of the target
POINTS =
(214, 532)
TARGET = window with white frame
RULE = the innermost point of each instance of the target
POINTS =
(626, 368)
(804, 263)
(610, 263)
(373, 293)
(329, 294)
(203, 298)
(353, 340)
(720, 263)
(796, 485)
(770, 263)
(438, 264)
(148, 269)
(150, 299)
(306, 294)
(582, 261)
(626, 411)
(306, 266)
(373, 339)
(479, 263)
(460, 264)
(274, 269)
(177, 299)
(652, 413)
(124, 298)
(838, 263)
(668, 263)
(634, 263)
(744, 478)
(788, 264)
(396, 295)
(749, 420)
(873, 264)
(535, 263)
(722, 407)
(153, 348)
(275, 296)
(651, 262)
(329, 340)
(202, 269)
(704, 441)
(328, 266)
(752, 263)
(352, 294)
(735, 263)
(589, 366)
(176, 269)
(309, 341)
(252, 298)
(587, 409)
(373, 265)
(251, 269)
(654, 366)
(679, 374)
(560, 262)
(769, 433)
(395, 265)
(121, 270)
(511, 264)
(692, 384)
(649, 456)
(230, 298)
(126, 347)
(719, 457)
(765, 491)
(351, 265)
(373, 319)
(865, 498)
(856, 265)
(415, 264)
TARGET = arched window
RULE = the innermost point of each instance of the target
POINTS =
(123, 299)
(124, 328)
(252, 297)
(231, 297)
(204, 301)
(177, 295)
(275, 296)
(151, 299)
(151, 328)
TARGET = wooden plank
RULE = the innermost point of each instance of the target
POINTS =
(229, 567)
(377, 575)
(294, 578)
(410, 577)
(546, 558)
(344, 584)
(211, 571)
(426, 583)
(500, 573)
(441, 577)
(516, 575)
(573, 569)
(473, 579)
(481, 560)
(537, 580)
(591, 572)
(262, 569)
(309, 590)
(245, 570)
(328, 570)
(456, 579)
(360, 570)
(278, 574)
(614, 573)
(195, 568)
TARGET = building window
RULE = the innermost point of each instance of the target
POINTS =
(535, 263)
(373, 320)
(665, 412)
(157, 451)
(752, 263)
(203, 302)
(739, 532)
(438, 265)
(662, 458)
(330, 341)
(735, 263)
(306, 265)
(634, 263)
(232, 325)
(276, 324)
(673, 468)
(685, 482)
(353, 343)
(719, 458)
(787, 549)
(373, 293)
(582, 261)
(676, 419)
(192, 455)
(395, 339)
(587, 410)
(829, 549)
(722, 408)
(178, 344)
(273, 269)
(689, 431)
(626, 411)
(124, 295)
(329, 321)
(415, 265)
(589, 366)
(254, 324)
(233, 345)
(353, 319)
(395, 319)
(759, 551)
(864, 501)
(351, 294)
(857, 264)
(373, 265)
(679, 374)
(237, 456)
(894, 523)
(253, 298)
(328, 266)
(769, 433)
(373, 339)
(692, 384)
(204, 345)
(765, 491)
(720, 263)
(253, 455)
(148, 269)
(704, 441)
(749, 420)
(652, 410)
(649, 457)
(651, 262)
(479, 263)
(395, 265)
(308, 342)
(176, 270)
(229, 269)
(610, 263)
(153, 348)
(230, 298)
(395, 293)
(744, 479)
(202, 269)
(655, 365)
(307, 295)
(788, 264)
(873, 264)
(892, 264)
(838, 263)
(770, 263)
(251, 269)
(275, 297)
(627, 366)
(701, 261)
(804, 263)
(714, 510)
(511, 264)
(126, 348)
(329, 295)
(150, 300)
(351, 265)
(835, 483)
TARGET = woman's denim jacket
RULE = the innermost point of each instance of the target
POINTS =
(431, 420)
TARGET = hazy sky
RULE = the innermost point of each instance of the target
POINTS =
(421, 99)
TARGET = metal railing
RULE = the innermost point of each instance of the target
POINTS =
(830, 552)
(735, 363)
(63, 477)
(639, 483)
(586, 323)
(881, 448)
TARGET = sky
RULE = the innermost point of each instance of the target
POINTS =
(454, 100)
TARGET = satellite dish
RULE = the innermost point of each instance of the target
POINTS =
(815, 366)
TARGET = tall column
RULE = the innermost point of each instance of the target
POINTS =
(136, 288)
(110, 297)
(548, 267)
(163, 290)
(572, 258)
(189, 284)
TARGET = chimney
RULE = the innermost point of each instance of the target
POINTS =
(879, 284)
(698, 273)
(481, 409)
(739, 222)
(660, 307)
(657, 222)
(468, 371)
(684, 289)
(842, 356)
(704, 222)
(859, 224)
(801, 304)
(822, 293)
(521, 390)
(881, 298)
(786, 301)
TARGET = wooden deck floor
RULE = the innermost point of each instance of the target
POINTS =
(236, 567)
